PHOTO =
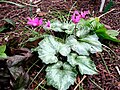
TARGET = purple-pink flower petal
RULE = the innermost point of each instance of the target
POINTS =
(29, 18)
(83, 14)
(48, 24)
(76, 17)
(34, 21)
(40, 21)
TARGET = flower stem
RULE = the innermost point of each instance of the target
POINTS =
(75, 31)
(30, 9)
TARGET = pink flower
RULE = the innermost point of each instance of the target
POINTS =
(34, 21)
(76, 17)
(83, 14)
(47, 24)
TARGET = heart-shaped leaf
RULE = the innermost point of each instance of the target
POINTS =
(60, 75)
(92, 44)
(85, 64)
(49, 47)
(76, 46)
(47, 50)
(101, 31)
(85, 45)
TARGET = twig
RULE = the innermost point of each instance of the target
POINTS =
(80, 82)
(118, 70)
(117, 13)
(110, 50)
(36, 75)
(35, 2)
(106, 13)
(39, 85)
(27, 4)
(71, 9)
(32, 66)
(102, 5)
(17, 14)
(111, 58)
(117, 2)
(96, 84)
(104, 63)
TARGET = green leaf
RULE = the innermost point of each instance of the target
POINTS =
(102, 33)
(3, 55)
(2, 28)
(2, 48)
(56, 26)
(64, 50)
(60, 75)
(10, 21)
(95, 24)
(108, 6)
(92, 44)
(83, 22)
(85, 64)
(49, 47)
(82, 31)
(33, 39)
(76, 46)
(112, 33)
(19, 5)
(68, 28)
(85, 45)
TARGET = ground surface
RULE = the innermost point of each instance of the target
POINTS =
(107, 81)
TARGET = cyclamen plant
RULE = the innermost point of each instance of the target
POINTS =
(65, 52)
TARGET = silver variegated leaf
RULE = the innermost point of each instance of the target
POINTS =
(49, 47)
(56, 26)
(85, 45)
(76, 46)
(85, 64)
(92, 44)
(60, 75)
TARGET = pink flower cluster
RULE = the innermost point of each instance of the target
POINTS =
(76, 16)
(34, 21)
(75, 19)
(37, 22)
